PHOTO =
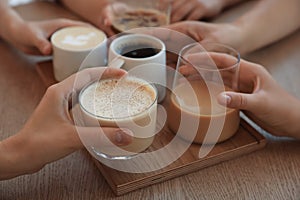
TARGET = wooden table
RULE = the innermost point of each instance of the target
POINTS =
(271, 173)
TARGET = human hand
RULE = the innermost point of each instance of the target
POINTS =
(50, 133)
(33, 37)
(176, 36)
(263, 100)
(104, 20)
(260, 97)
(195, 9)
(227, 33)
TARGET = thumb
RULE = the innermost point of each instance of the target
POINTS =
(237, 100)
(43, 44)
(104, 136)
(47, 28)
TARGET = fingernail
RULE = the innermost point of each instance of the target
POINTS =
(224, 99)
(123, 137)
(227, 98)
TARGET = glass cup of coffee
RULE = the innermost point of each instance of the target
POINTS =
(203, 72)
(129, 102)
(129, 14)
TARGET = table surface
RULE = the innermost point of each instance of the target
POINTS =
(271, 173)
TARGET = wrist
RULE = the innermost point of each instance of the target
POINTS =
(229, 34)
(241, 38)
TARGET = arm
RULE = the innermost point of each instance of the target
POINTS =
(267, 22)
(50, 133)
(197, 9)
(30, 37)
(96, 12)
(14, 26)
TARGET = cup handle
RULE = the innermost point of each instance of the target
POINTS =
(117, 63)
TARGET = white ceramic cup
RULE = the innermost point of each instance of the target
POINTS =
(152, 68)
(73, 45)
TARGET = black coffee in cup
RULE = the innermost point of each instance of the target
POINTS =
(139, 51)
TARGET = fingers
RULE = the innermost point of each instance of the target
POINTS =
(187, 70)
(251, 77)
(239, 100)
(41, 31)
(174, 33)
(106, 19)
(77, 81)
(176, 4)
(108, 16)
(195, 14)
(179, 26)
(206, 60)
(222, 60)
(43, 44)
(104, 136)
(181, 11)
(34, 41)
(191, 30)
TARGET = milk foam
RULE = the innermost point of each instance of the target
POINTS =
(113, 98)
(78, 38)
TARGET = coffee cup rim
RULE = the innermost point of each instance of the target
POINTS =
(77, 50)
(237, 56)
(117, 118)
(134, 35)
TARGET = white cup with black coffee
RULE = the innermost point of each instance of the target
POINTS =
(142, 55)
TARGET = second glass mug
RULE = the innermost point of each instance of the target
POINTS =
(129, 14)
(203, 72)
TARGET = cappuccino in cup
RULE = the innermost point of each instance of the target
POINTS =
(73, 45)
(125, 103)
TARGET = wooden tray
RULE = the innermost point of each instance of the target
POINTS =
(246, 140)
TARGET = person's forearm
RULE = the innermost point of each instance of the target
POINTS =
(267, 22)
(15, 157)
(4, 13)
(8, 19)
(227, 3)
(4, 5)
(90, 10)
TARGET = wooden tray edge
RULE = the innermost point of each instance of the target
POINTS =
(188, 168)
